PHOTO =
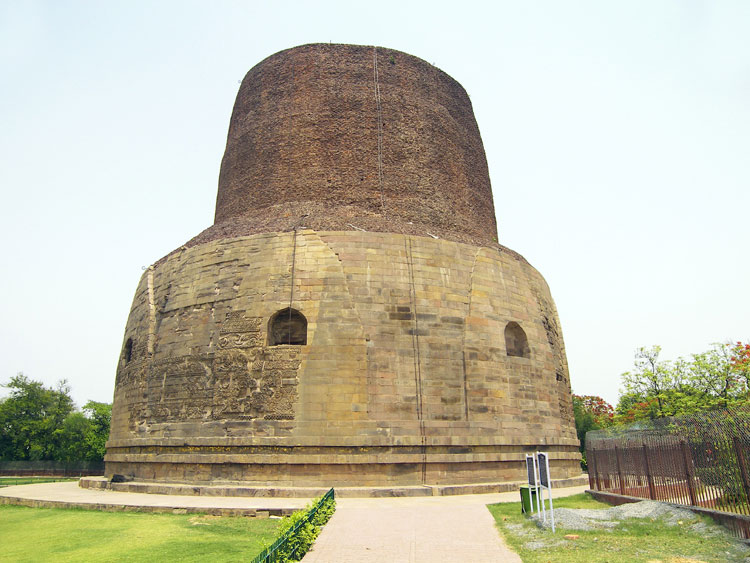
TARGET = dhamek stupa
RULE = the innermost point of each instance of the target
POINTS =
(349, 318)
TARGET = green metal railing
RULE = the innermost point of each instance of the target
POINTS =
(268, 555)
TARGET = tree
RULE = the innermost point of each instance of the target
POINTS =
(99, 416)
(717, 378)
(82, 435)
(40, 423)
(71, 438)
(29, 418)
(591, 413)
(651, 379)
(740, 360)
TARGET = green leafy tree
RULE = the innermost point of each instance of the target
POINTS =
(99, 416)
(717, 378)
(29, 418)
(41, 423)
(591, 413)
(651, 380)
(71, 438)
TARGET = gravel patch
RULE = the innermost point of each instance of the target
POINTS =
(535, 545)
(586, 519)
(520, 530)
(654, 510)
(543, 544)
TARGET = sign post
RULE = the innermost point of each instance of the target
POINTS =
(542, 462)
(532, 473)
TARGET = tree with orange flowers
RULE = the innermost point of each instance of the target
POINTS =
(740, 360)
(591, 413)
(716, 378)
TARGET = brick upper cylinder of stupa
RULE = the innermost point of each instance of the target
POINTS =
(347, 137)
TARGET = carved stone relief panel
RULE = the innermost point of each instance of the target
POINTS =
(178, 388)
(279, 373)
(243, 380)
(237, 321)
(231, 383)
(240, 331)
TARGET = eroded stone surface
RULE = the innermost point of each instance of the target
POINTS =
(405, 377)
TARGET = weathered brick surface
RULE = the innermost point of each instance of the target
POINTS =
(304, 149)
(405, 377)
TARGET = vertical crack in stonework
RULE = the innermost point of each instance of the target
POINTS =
(463, 336)
(345, 277)
(151, 311)
(291, 284)
(417, 360)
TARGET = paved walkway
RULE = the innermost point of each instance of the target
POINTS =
(416, 530)
(407, 529)
(68, 492)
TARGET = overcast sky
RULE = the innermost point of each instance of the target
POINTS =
(617, 136)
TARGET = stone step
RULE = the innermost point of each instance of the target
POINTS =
(249, 490)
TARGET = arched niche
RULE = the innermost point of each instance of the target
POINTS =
(127, 350)
(287, 326)
(516, 343)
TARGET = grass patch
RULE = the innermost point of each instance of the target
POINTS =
(697, 538)
(9, 481)
(51, 534)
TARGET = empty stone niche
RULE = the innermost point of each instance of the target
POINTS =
(516, 343)
(127, 352)
(287, 326)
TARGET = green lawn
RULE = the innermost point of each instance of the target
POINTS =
(9, 481)
(50, 534)
(632, 540)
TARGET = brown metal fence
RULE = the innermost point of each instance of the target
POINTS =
(696, 460)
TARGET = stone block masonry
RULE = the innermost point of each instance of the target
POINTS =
(405, 378)
(350, 318)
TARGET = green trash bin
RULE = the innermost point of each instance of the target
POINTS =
(528, 499)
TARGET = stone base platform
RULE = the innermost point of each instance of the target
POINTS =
(67, 494)
(240, 490)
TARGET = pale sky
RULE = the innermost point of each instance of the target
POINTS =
(617, 136)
